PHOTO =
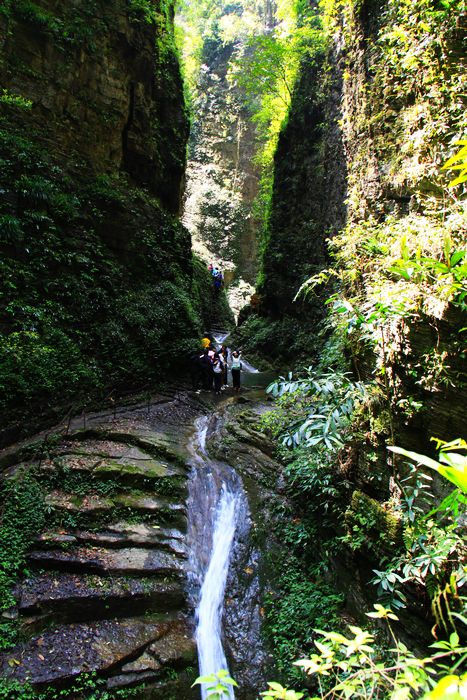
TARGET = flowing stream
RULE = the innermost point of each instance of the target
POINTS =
(217, 504)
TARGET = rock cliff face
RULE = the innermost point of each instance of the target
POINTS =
(95, 270)
(105, 87)
(365, 138)
(365, 143)
(308, 201)
(222, 179)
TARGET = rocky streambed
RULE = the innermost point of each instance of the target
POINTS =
(105, 588)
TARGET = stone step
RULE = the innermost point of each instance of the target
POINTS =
(66, 597)
(132, 561)
(132, 464)
(59, 655)
(118, 535)
(98, 448)
(93, 505)
(161, 442)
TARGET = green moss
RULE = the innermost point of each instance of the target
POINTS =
(22, 517)
(91, 299)
(278, 343)
(370, 525)
(299, 600)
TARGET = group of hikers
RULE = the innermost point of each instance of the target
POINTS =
(217, 276)
(210, 367)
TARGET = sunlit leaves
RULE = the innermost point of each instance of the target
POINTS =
(450, 687)
(354, 667)
(13, 100)
(217, 684)
(458, 162)
(382, 613)
(453, 466)
(277, 692)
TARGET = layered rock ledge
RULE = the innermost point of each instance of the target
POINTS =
(104, 590)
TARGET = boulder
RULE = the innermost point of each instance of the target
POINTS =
(65, 652)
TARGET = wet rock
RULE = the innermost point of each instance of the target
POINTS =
(65, 652)
(118, 561)
(128, 534)
(145, 662)
(79, 597)
(112, 559)
(176, 648)
(126, 680)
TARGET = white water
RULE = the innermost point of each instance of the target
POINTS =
(216, 502)
(220, 338)
(209, 613)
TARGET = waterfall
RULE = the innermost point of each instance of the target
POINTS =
(209, 613)
(216, 502)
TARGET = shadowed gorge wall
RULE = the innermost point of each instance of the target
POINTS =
(360, 163)
(96, 272)
(364, 143)
(308, 200)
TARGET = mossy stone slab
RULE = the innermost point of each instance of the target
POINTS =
(137, 534)
(76, 462)
(91, 503)
(99, 448)
(138, 468)
(147, 502)
(129, 560)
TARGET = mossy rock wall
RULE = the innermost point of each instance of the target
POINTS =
(309, 190)
(96, 273)
(105, 85)
(362, 153)
(367, 134)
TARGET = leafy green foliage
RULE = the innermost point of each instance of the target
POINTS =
(22, 516)
(452, 465)
(276, 690)
(352, 666)
(434, 547)
(86, 685)
(68, 27)
(458, 162)
(8, 98)
(84, 315)
(325, 401)
(300, 602)
(218, 684)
